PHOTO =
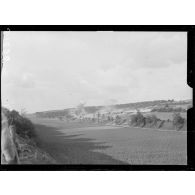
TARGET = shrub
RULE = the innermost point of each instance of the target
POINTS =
(124, 120)
(23, 126)
(138, 119)
(161, 123)
(178, 121)
(118, 119)
(151, 119)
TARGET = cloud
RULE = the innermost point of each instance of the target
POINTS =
(93, 67)
(157, 50)
(25, 81)
(117, 89)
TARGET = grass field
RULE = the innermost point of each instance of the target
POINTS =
(167, 115)
(76, 143)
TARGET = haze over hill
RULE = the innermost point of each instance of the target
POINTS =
(146, 105)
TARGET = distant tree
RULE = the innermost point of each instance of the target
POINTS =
(118, 119)
(151, 119)
(138, 119)
(178, 121)
(60, 118)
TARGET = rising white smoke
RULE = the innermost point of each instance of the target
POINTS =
(109, 105)
(80, 109)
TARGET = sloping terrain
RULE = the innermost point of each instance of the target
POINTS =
(19, 136)
(84, 143)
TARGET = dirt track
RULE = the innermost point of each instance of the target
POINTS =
(74, 143)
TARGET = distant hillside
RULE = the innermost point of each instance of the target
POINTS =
(128, 106)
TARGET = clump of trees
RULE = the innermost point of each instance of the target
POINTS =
(140, 120)
(151, 120)
(118, 120)
(178, 121)
(137, 119)
(23, 126)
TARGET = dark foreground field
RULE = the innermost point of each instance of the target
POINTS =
(76, 143)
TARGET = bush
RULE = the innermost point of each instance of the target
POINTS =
(138, 119)
(124, 120)
(178, 121)
(23, 126)
(118, 119)
(151, 120)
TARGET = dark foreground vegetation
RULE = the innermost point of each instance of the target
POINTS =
(23, 126)
(26, 139)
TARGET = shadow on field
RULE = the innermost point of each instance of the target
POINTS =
(71, 149)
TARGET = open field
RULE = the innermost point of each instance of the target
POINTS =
(167, 115)
(87, 143)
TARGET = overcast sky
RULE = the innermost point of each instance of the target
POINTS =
(57, 70)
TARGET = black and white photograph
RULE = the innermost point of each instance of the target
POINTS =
(94, 98)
